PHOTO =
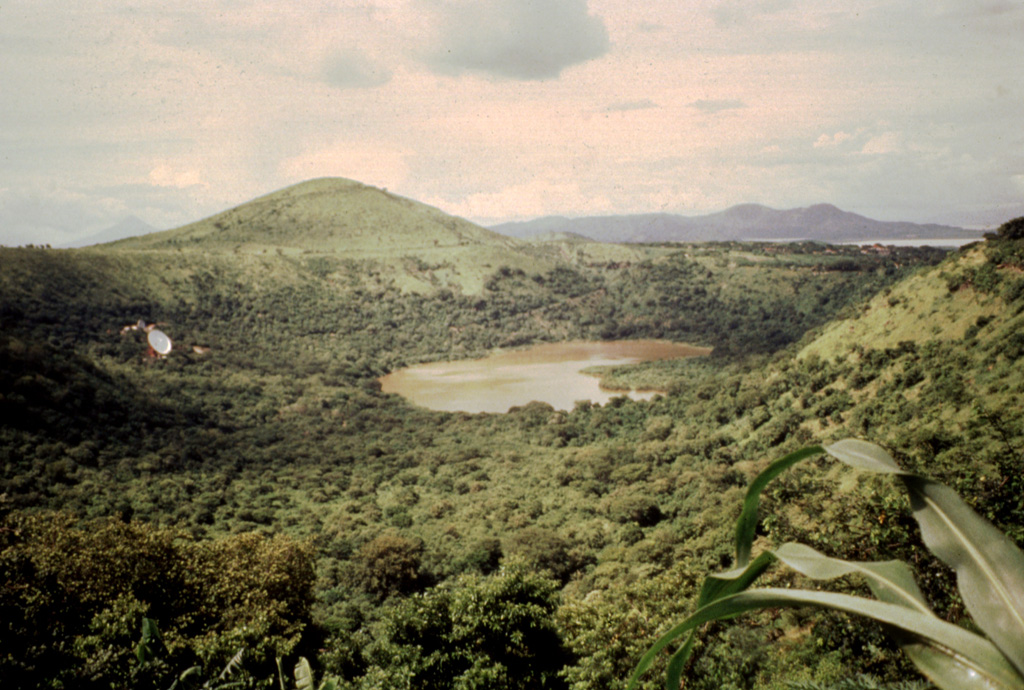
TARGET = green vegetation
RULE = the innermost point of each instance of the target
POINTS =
(989, 568)
(264, 494)
(73, 594)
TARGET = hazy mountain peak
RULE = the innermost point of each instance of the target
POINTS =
(748, 212)
(823, 222)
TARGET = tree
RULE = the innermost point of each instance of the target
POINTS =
(543, 550)
(1012, 229)
(475, 632)
(389, 564)
(73, 595)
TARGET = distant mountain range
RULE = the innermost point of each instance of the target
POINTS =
(821, 222)
(335, 214)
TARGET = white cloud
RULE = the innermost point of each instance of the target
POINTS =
(829, 141)
(525, 200)
(165, 175)
(887, 142)
(625, 106)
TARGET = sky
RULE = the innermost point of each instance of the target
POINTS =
(498, 110)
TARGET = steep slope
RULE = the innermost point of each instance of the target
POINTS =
(329, 215)
(933, 367)
(822, 222)
(941, 304)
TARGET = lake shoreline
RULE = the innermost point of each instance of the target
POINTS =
(552, 373)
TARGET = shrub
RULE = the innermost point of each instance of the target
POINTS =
(1012, 229)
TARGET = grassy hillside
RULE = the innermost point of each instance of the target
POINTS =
(328, 215)
(923, 308)
(420, 248)
(275, 451)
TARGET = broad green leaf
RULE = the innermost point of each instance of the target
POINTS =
(746, 572)
(989, 566)
(862, 455)
(934, 663)
(736, 580)
(715, 587)
(981, 665)
(890, 581)
(303, 675)
(990, 571)
(746, 525)
(151, 646)
(186, 676)
(234, 665)
(280, 672)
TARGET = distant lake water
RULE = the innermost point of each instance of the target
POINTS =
(550, 373)
(924, 242)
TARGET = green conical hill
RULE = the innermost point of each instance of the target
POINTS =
(418, 247)
(329, 215)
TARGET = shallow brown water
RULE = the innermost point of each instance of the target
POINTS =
(548, 373)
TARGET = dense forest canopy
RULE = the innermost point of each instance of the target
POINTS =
(255, 490)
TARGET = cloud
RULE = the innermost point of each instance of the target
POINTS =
(642, 104)
(523, 200)
(518, 39)
(651, 28)
(172, 113)
(886, 142)
(42, 216)
(167, 175)
(350, 70)
(827, 141)
(732, 12)
(717, 106)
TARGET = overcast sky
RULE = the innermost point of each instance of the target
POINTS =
(510, 109)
